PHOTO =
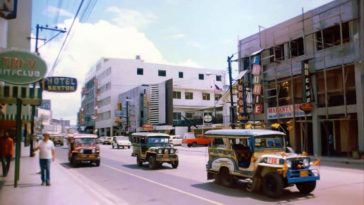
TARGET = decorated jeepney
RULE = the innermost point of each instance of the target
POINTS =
(259, 158)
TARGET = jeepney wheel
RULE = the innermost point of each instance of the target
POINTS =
(152, 162)
(217, 178)
(306, 187)
(226, 178)
(255, 185)
(273, 185)
(74, 163)
(97, 163)
(174, 164)
(189, 145)
(139, 161)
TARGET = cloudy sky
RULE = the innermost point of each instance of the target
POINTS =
(200, 33)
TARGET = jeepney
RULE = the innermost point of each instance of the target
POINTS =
(153, 148)
(83, 148)
(259, 158)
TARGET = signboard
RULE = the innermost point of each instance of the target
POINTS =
(60, 84)
(207, 118)
(284, 112)
(19, 67)
(8, 9)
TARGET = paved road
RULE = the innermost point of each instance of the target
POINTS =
(120, 180)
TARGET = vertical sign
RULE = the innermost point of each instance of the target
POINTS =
(307, 106)
(257, 86)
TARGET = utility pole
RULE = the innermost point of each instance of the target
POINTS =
(232, 113)
(32, 91)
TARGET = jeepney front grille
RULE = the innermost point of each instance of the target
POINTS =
(87, 151)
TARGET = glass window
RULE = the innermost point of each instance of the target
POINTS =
(177, 116)
(162, 73)
(139, 71)
(218, 78)
(180, 74)
(350, 85)
(217, 97)
(297, 48)
(176, 95)
(188, 95)
(189, 115)
(205, 96)
(201, 76)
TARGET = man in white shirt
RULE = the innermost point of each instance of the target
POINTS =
(46, 154)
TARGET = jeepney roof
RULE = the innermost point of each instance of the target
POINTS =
(241, 132)
(83, 136)
(150, 134)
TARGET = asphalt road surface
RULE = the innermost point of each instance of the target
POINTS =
(121, 181)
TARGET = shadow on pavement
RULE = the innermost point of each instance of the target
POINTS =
(239, 191)
(145, 167)
(22, 185)
(67, 165)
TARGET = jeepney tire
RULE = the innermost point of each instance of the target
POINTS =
(152, 162)
(217, 178)
(139, 161)
(255, 186)
(306, 187)
(174, 164)
(227, 179)
(194, 144)
(189, 145)
(128, 147)
(273, 185)
(74, 163)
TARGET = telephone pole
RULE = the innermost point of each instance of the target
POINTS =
(232, 112)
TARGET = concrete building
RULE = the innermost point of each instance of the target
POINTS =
(312, 61)
(116, 76)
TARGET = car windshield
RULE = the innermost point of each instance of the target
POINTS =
(89, 141)
(121, 138)
(270, 141)
(157, 140)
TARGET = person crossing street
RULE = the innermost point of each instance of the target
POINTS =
(46, 154)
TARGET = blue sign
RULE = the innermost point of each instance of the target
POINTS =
(60, 84)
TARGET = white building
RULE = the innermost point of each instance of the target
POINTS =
(194, 88)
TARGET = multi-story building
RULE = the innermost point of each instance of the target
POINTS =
(312, 61)
(115, 76)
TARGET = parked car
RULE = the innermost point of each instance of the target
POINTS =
(260, 159)
(192, 141)
(153, 148)
(121, 141)
(108, 140)
(175, 140)
(83, 148)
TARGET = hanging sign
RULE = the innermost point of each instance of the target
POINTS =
(60, 84)
(20, 67)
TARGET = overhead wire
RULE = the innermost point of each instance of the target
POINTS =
(56, 61)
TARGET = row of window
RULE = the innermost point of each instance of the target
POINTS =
(163, 73)
(189, 96)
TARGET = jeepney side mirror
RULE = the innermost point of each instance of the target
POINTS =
(290, 150)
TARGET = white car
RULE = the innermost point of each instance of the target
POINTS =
(175, 140)
(121, 141)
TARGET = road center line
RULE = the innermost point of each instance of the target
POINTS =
(163, 185)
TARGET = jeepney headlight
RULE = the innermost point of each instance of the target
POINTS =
(166, 151)
(289, 163)
(81, 150)
(172, 151)
(93, 151)
(159, 151)
(306, 162)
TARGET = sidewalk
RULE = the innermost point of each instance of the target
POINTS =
(67, 186)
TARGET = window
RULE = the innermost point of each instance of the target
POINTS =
(246, 63)
(189, 115)
(218, 78)
(330, 37)
(205, 96)
(297, 48)
(276, 53)
(23, 92)
(188, 95)
(6, 91)
(162, 73)
(176, 95)
(201, 76)
(217, 97)
(180, 74)
(177, 116)
(140, 71)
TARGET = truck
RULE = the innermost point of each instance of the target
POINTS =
(192, 140)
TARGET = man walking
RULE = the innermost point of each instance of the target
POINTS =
(6, 152)
(46, 154)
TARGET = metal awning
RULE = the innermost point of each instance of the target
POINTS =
(241, 74)
(256, 52)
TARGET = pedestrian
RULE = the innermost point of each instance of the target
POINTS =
(6, 152)
(330, 142)
(46, 154)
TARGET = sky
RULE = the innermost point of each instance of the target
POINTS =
(196, 33)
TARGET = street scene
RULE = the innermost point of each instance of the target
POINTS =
(181, 102)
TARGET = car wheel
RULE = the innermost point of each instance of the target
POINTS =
(255, 185)
(273, 185)
(174, 164)
(189, 145)
(152, 162)
(97, 163)
(128, 147)
(74, 163)
(113, 146)
(217, 179)
(306, 187)
(194, 144)
(139, 161)
(226, 178)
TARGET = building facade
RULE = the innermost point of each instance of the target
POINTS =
(312, 62)
(116, 76)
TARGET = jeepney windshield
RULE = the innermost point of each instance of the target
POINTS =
(158, 140)
(88, 141)
(269, 141)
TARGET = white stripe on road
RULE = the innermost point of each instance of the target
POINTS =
(163, 185)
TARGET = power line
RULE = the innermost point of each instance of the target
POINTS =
(65, 40)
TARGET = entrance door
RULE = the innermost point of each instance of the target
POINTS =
(327, 138)
(306, 139)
